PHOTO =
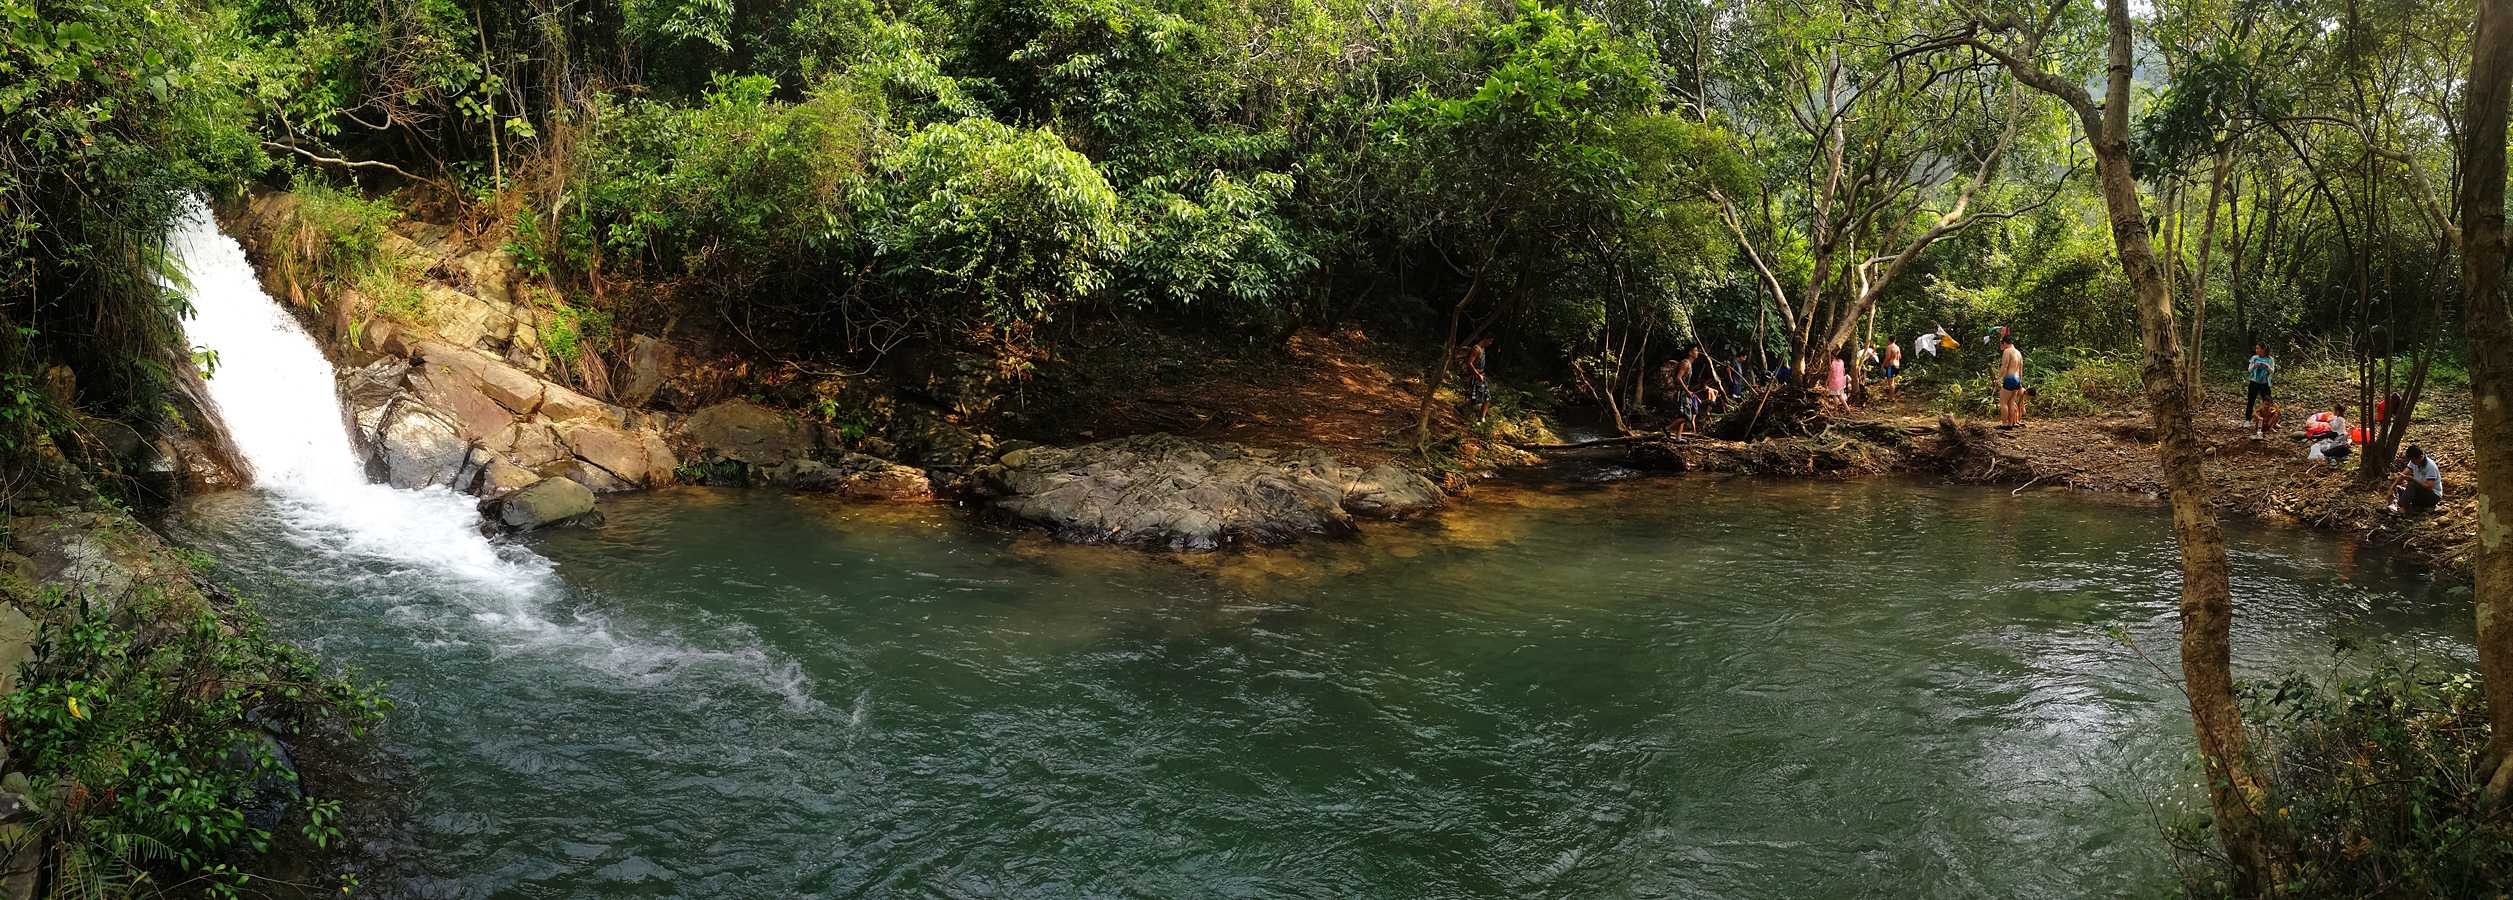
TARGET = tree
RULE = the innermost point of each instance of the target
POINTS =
(2483, 258)
(2235, 789)
(1521, 159)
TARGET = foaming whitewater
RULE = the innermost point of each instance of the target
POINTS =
(276, 392)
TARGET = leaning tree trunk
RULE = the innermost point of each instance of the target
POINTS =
(2235, 791)
(2490, 368)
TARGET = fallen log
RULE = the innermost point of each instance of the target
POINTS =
(1600, 442)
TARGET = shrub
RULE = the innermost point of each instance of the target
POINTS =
(1010, 221)
(150, 748)
(2374, 782)
(337, 237)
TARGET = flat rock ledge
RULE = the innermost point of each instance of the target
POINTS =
(1161, 490)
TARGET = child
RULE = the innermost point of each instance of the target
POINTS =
(2266, 416)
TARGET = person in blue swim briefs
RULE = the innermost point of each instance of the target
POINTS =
(2010, 382)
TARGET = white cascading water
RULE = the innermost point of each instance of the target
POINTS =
(276, 393)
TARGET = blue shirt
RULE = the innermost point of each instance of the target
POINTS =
(2261, 366)
(2424, 471)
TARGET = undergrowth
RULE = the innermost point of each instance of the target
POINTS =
(156, 772)
(2374, 784)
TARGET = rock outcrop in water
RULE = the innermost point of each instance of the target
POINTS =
(545, 503)
(1161, 490)
(431, 413)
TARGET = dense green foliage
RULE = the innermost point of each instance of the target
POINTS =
(2373, 774)
(1597, 183)
(151, 752)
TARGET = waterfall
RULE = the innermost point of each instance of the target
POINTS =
(419, 553)
(278, 396)
(270, 381)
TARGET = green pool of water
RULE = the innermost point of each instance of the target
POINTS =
(1676, 688)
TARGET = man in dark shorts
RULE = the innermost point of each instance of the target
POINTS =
(1892, 361)
(2010, 381)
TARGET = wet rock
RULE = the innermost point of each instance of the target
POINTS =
(419, 449)
(530, 445)
(854, 475)
(370, 388)
(1388, 491)
(1168, 491)
(747, 433)
(543, 504)
(500, 478)
(273, 786)
(867, 476)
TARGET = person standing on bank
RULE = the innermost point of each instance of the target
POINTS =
(2010, 381)
(1893, 371)
(2262, 370)
(1478, 384)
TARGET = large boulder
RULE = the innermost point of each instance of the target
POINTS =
(459, 401)
(618, 452)
(649, 363)
(547, 502)
(750, 434)
(854, 475)
(419, 449)
(1184, 494)
(516, 392)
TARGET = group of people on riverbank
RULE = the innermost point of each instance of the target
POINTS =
(2329, 439)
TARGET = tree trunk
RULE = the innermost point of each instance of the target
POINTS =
(1438, 375)
(2235, 792)
(2490, 368)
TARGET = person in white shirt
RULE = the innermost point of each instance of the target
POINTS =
(2420, 485)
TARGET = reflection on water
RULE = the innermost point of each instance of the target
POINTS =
(1675, 688)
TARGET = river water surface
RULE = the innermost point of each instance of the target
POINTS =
(1675, 688)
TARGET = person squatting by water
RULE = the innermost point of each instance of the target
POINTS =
(2420, 485)
(2010, 380)
(2256, 383)
(2328, 433)
(1478, 405)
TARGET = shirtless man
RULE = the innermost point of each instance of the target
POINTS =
(2010, 382)
(1893, 371)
